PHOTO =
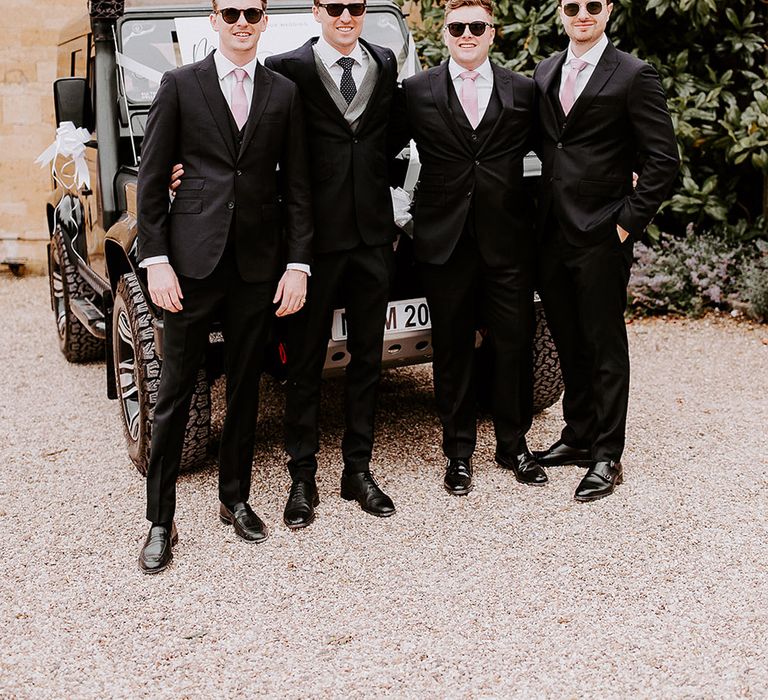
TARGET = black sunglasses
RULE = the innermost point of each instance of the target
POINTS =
(457, 29)
(253, 15)
(571, 9)
(336, 9)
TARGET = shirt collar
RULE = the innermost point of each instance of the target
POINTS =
(329, 55)
(593, 55)
(484, 69)
(224, 66)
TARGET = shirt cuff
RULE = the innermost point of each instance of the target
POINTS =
(154, 260)
(301, 267)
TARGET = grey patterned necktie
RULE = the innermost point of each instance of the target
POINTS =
(347, 85)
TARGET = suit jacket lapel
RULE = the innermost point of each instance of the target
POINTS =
(545, 79)
(604, 69)
(304, 74)
(262, 86)
(208, 79)
(502, 84)
(439, 81)
(383, 62)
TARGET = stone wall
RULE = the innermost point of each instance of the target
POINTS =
(28, 38)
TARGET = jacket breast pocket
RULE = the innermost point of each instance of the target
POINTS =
(186, 206)
(608, 189)
(191, 183)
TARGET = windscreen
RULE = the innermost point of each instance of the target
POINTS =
(149, 47)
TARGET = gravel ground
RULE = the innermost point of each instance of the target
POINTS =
(657, 591)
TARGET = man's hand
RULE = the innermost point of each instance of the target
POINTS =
(623, 233)
(164, 287)
(291, 292)
(176, 172)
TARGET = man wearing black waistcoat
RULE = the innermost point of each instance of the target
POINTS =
(602, 115)
(220, 250)
(473, 237)
(346, 85)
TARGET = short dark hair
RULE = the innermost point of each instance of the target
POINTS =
(487, 5)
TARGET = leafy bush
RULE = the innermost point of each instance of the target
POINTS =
(711, 57)
(698, 272)
(753, 287)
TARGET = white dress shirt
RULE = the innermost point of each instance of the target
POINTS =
(483, 82)
(328, 55)
(227, 82)
(591, 57)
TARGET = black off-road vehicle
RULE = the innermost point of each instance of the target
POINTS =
(110, 62)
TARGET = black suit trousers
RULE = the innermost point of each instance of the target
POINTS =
(246, 312)
(361, 278)
(463, 293)
(584, 292)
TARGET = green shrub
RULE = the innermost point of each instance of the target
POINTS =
(698, 272)
(753, 286)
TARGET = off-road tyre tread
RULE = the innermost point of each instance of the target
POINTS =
(76, 342)
(147, 368)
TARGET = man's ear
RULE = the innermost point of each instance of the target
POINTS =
(214, 20)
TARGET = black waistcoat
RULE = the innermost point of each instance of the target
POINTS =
(483, 130)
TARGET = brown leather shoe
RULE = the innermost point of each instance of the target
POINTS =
(157, 551)
(248, 526)
(525, 468)
(600, 481)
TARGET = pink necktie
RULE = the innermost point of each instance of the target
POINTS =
(468, 96)
(569, 89)
(239, 102)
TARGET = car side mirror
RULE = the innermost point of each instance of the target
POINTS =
(72, 102)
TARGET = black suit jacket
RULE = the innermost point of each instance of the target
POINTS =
(226, 180)
(619, 124)
(457, 172)
(349, 170)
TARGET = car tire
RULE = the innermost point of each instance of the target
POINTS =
(76, 342)
(547, 380)
(137, 376)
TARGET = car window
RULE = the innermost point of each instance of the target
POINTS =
(149, 47)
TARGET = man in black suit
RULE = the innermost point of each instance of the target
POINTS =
(346, 86)
(473, 236)
(220, 250)
(602, 115)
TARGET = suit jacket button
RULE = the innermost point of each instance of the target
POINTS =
(355, 141)
(469, 194)
(474, 137)
(239, 173)
(477, 162)
(559, 145)
(230, 205)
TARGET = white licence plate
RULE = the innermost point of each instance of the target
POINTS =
(402, 316)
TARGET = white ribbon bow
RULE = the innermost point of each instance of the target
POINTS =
(70, 143)
(401, 203)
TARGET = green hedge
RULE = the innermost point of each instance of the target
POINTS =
(711, 55)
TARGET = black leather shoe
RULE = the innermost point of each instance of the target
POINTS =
(458, 477)
(361, 487)
(157, 551)
(525, 468)
(600, 481)
(300, 508)
(560, 454)
(248, 526)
